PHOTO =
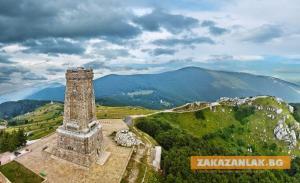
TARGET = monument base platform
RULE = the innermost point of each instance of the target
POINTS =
(75, 157)
(82, 148)
(41, 159)
(103, 158)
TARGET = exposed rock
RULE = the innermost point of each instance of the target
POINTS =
(291, 108)
(293, 138)
(296, 126)
(259, 108)
(249, 149)
(271, 116)
(126, 138)
(192, 106)
(236, 101)
(213, 106)
(279, 100)
(279, 111)
(157, 157)
(283, 132)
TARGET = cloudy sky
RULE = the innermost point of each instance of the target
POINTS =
(40, 39)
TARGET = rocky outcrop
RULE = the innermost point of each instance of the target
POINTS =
(126, 138)
(291, 108)
(271, 116)
(279, 111)
(283, 132)
(191, 106)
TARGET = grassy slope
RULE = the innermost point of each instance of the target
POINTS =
(105, 112)
(258, 130)
(14, 108)
(44, 120)
(17, 173)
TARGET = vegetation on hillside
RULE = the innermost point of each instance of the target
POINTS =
(296, 111)
(11, 141)
(106, 112)
(226, 131)
(40, 122)
(11, 109)
(17, 173)
(45, 119)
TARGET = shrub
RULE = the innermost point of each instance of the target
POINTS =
(242, 112)
(199, 115)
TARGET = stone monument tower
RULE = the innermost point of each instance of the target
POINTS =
(80, 137)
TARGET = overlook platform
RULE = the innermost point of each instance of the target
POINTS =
(61, 171)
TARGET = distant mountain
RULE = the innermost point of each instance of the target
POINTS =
(25, 92)
(11, 109)
(177, 87)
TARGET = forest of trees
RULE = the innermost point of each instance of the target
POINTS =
(10, 141)
(178, 146)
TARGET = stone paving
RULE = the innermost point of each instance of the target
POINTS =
(61, 171)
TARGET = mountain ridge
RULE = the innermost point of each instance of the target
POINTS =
(173, 88)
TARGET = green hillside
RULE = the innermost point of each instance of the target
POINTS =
(107, 112)
(45, 119)
(225, 129)
(14, 108)
(40, 122)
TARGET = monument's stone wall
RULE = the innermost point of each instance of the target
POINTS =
(81, 143)
(79, 99)
(80, 137)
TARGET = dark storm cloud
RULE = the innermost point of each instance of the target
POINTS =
(31, 8)
(158, 19)
(264, 33)
(163, 51)
(53, 46)
(183, 41)
(36, 19)
(213, 28)
(4, 79)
